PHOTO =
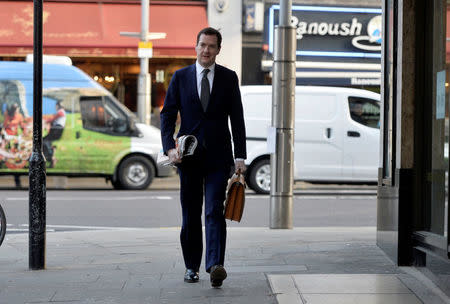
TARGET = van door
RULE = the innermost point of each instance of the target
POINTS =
(362, 137)
(102, 133)
(58, 143)
(318, 137)
(257, 114)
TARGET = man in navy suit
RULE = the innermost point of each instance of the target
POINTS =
(206, 95)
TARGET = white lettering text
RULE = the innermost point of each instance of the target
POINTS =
(323, 28)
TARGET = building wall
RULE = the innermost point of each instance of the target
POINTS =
(239, 49)
(229, 22)
(412, 186)
(256, 58)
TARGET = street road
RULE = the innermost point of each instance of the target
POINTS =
(88, 209)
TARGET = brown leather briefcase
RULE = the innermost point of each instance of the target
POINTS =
(235, 199)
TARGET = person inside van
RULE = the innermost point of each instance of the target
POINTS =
(57, 123)
(356, 112)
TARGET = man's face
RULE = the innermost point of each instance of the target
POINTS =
(207, 50)
(358, 109)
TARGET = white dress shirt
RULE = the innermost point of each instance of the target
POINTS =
(210, 77)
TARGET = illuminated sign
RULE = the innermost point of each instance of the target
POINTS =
(332, 31)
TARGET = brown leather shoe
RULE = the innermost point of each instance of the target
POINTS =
(217, 274)
(191, 276)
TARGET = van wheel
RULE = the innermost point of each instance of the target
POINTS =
(116, 183)
(135, 173)
(259, 177)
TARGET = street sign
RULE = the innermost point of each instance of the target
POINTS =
(145, 49)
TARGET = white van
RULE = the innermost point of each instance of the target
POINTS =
(336, 134)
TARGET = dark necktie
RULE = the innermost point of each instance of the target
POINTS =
(204, 95)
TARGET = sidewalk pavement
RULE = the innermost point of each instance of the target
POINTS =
(134, 266)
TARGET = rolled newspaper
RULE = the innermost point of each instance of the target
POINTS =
(185, 145)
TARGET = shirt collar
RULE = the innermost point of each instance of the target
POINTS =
(200, 69)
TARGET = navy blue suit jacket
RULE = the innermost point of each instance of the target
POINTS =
(210, 127)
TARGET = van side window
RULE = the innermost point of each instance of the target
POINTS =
(365, 111)
(98, 113)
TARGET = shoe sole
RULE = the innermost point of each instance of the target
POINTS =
(217, 277)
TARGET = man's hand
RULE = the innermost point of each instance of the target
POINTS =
(173, 156)
(239, 165)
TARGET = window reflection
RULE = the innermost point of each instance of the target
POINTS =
(98, 113)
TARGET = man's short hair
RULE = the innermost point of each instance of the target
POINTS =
(210, 31)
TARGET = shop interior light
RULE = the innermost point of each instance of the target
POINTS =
(109, 78)
(96, 78)
(446, 84)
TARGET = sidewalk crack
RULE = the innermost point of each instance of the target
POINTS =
(123, 286)
(51, 298)
(299, 291)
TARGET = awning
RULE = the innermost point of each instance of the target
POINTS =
(93, 29)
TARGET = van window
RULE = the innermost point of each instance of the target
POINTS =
(98, 113)
(365, 111)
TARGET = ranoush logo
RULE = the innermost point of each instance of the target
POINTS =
(370, 42)
(374, 36)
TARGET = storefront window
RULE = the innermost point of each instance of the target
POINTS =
(436, 119)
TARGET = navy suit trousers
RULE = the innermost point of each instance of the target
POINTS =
(194, 182)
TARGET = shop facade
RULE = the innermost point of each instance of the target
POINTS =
(413, 215)
(338, 42)
(413, 64)
(89, 32)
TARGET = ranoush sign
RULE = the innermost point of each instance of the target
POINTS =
(332, 31)
(335, 45)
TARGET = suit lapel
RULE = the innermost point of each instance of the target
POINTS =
(193, 73)
(195, 98)
(215, 80)
(212, 99)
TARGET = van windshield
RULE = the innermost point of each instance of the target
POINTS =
(122, 107)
